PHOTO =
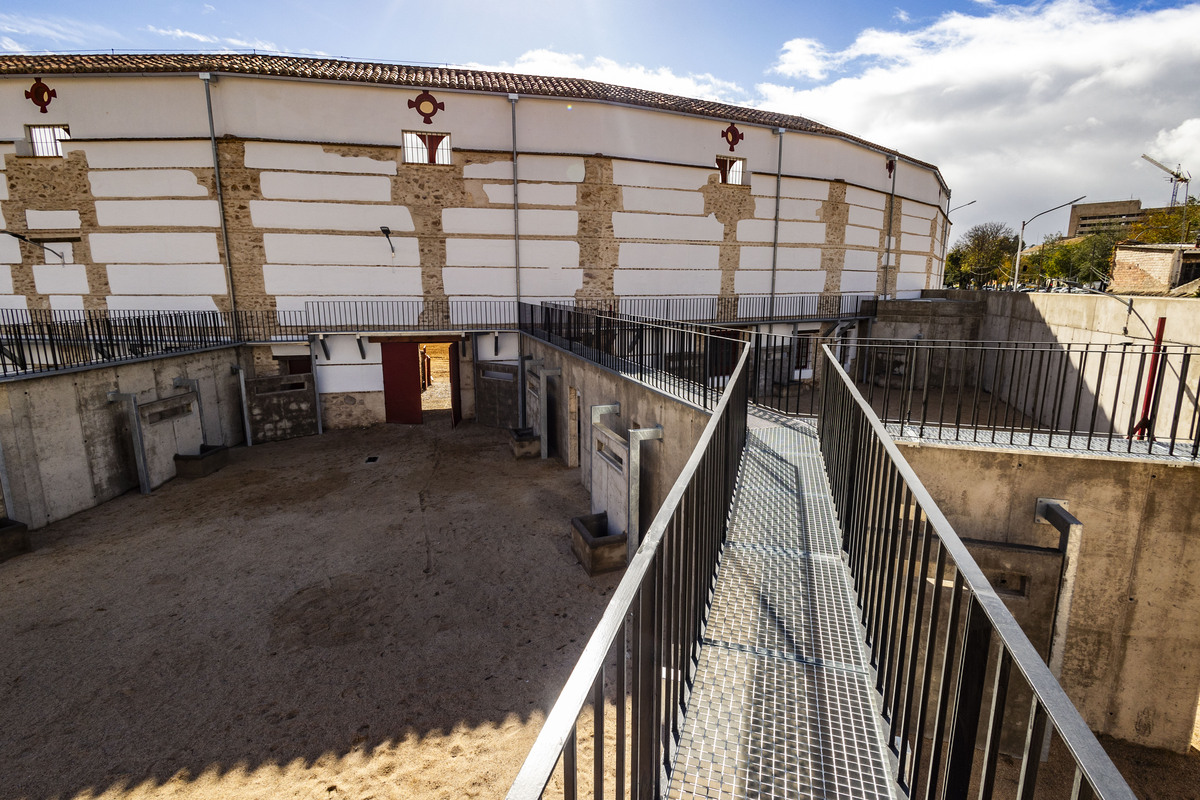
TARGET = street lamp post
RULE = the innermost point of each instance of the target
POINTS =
(1021, 238)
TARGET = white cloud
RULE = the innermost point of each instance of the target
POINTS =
(900, 15)
(223, 42)
(10, 45)
(1021, 107)
(661, 79)
(58, 30)
(804, 58)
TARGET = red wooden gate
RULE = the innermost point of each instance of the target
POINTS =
(401, 382)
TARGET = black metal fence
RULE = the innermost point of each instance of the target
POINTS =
(647, 640)
(935, 626)
(1132, 398)
(689, 361)
(36, 341)
(743, 308)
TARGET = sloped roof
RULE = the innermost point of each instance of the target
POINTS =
(309, 68)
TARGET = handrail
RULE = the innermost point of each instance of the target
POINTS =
(844, 446)
(729, 418)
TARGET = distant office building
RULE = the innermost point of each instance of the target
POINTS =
(1092, 217)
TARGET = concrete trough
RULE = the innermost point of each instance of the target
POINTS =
(597, 550)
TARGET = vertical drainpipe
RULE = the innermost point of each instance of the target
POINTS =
(775, 240)
(945, 239)
(887, 254)
(521, 413)
(212, 135)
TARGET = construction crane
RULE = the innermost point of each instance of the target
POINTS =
(1177, 177)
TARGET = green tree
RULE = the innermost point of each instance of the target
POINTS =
(1168, 226)
(982, 255)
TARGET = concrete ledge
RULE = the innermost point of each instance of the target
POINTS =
(206, 462)
(14, 538)
(525, 443)
(597, 552)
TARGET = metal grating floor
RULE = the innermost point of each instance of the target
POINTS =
(782, 702)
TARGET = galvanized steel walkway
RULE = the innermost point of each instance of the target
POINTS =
(782, 702)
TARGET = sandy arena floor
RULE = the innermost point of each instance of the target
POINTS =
(301, 624)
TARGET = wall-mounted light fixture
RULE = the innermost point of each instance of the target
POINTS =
(24, 238)
(387, 234)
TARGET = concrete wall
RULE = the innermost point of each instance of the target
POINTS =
(67, 448)
(1132, 659)
(641, 407)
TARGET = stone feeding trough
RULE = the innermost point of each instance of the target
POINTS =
(525, 442)
(210, 459)
(597, 550)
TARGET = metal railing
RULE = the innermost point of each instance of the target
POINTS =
(37, 341)
(686, 360)
(935, 626)
(1122, 398)
(743, 308)
(648, 639)
(377, 316)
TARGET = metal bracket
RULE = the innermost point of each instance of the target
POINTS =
(362, 347)
(324, 344)
(600, 411)
(135, 430)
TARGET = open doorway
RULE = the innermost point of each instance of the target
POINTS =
(420, 378)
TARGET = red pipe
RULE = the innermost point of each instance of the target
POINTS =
(1144, 423)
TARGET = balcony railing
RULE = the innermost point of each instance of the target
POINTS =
(647, 640)
(933, 622)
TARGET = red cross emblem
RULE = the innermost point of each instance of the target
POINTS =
(732, 136)
(426, 105)
(40, 94)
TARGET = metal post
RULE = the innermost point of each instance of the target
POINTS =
(135, 430)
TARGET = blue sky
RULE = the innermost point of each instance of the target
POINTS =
(1022, 105)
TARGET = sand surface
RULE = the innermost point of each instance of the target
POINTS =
(301, 624)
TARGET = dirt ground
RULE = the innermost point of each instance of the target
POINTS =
(301, 624)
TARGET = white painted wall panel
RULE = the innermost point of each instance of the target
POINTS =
(913, 262)
(13, 301)
(480, 281)
(10, 250)
(764, 208)
(158, 213)
(43, 220)
(667, 201)
(640, 255)
(154, 248)
(311, 158)
(167, 279)
(793, 281)
(146, 302)
(763, 230)
(532, 194)
(499, 221)
(550, 282)
(322, 249)
(858, 196)
(863, 237)
(910, 281)
(329, 216)
(789, 257)
(6, 283)
(146, 183)
(341, 378)
(752, 281)
(550, 168)
(502, 253)
(64, 249)
(60, 279)
(861, 259)
(858, 281)
(119, 155)
(496, 170)
(914, 224)
(666, 281)
(308, 186)
(868, 217)
(921, 244)
(334, 280)
(660, 176)
(661, 226)
(343, 349)
(914, 209)
(66, 302)
(763, 185)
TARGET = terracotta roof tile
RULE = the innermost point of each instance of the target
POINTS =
(416, 77)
